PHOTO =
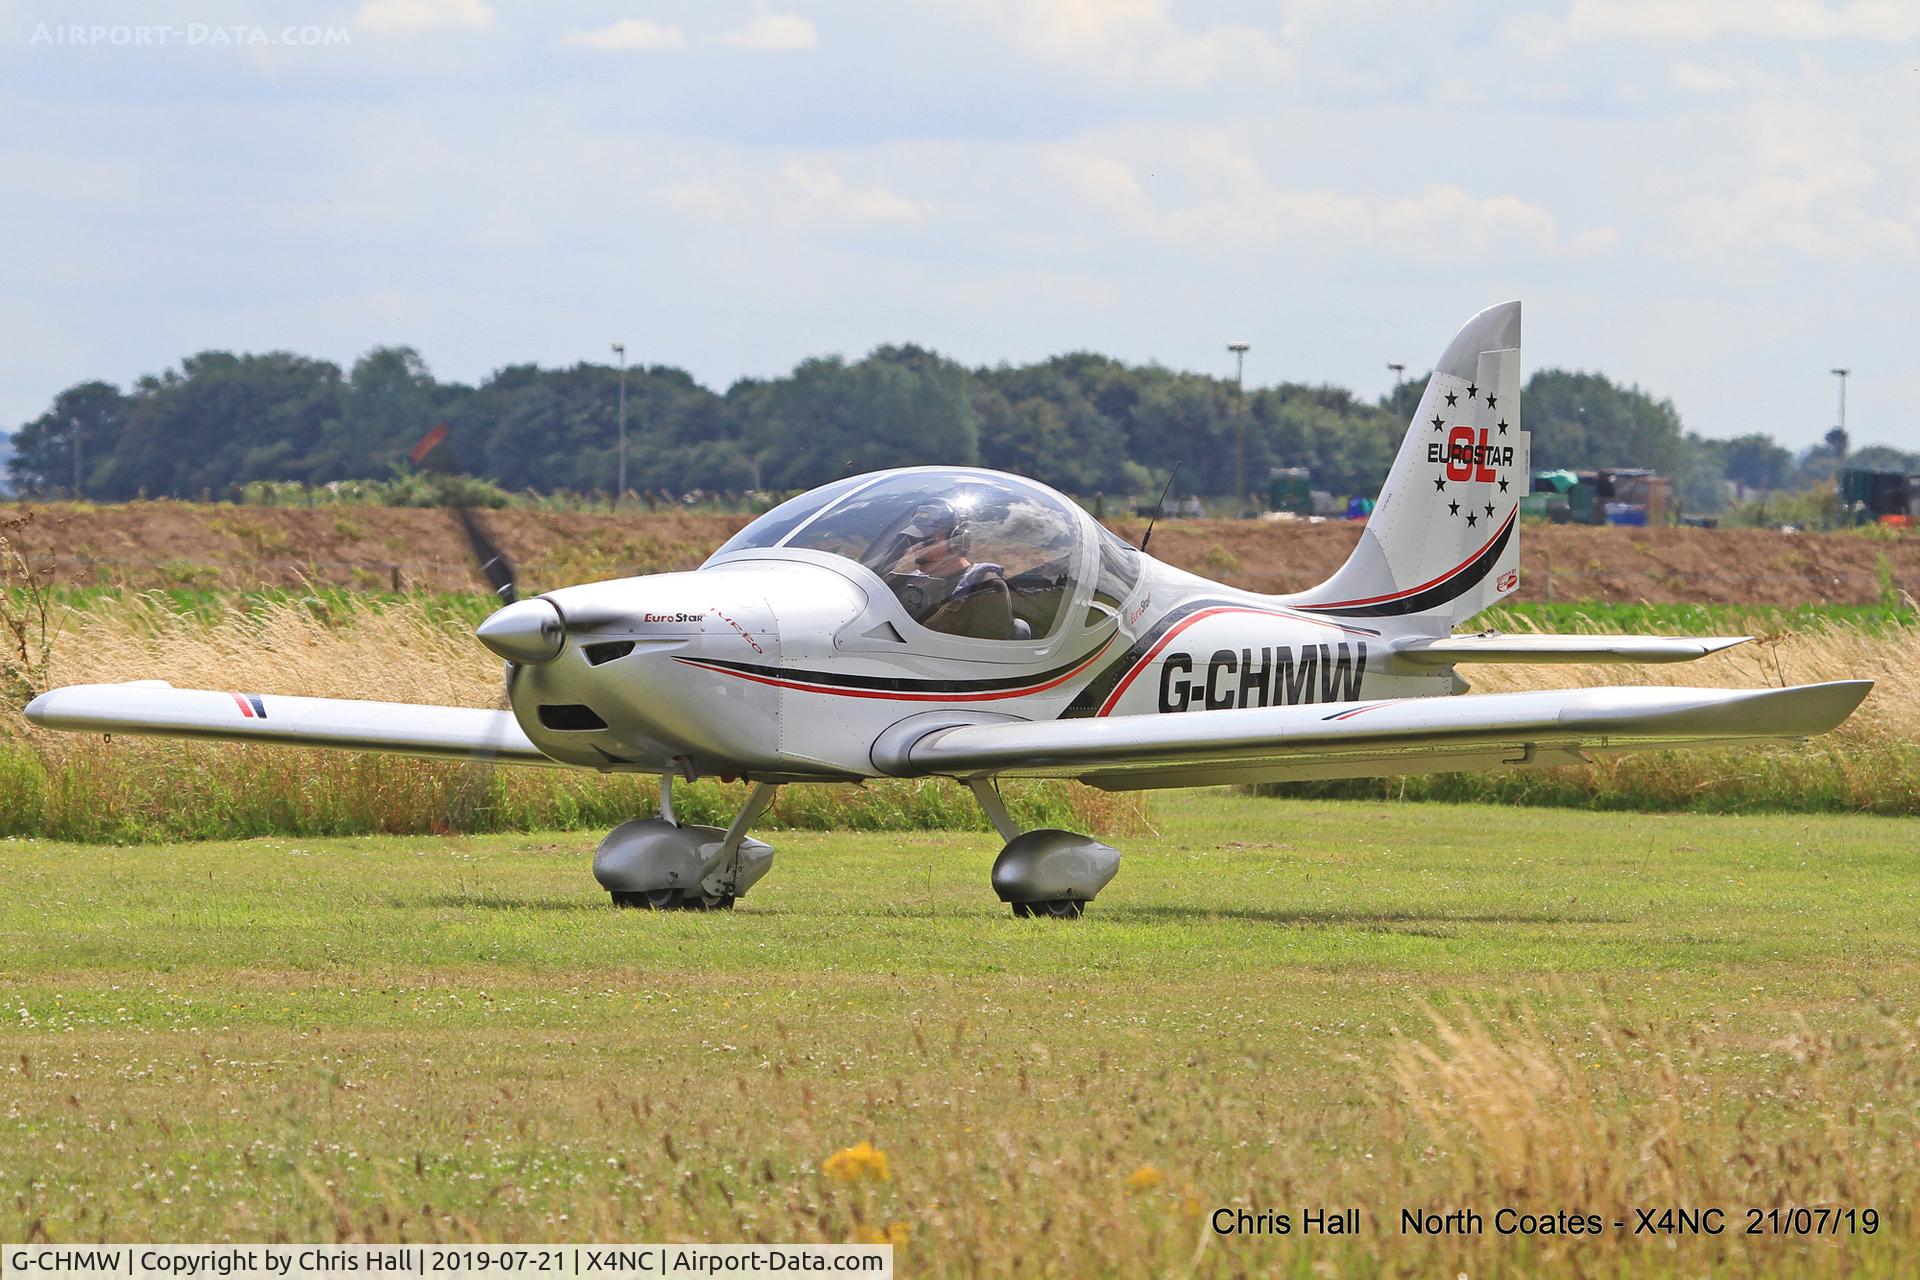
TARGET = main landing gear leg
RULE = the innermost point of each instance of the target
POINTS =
(666, 865)
(1047, 872)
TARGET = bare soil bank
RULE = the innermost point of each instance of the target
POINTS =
(167, 544)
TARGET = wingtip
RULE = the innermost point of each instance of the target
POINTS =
(1825, 706)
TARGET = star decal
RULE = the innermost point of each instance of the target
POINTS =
(1439, 483)
(1503, 426)
(1451, 398)
(1472, 519)
(1489, 510)
(1503, 486)
(1472, 391)
(1453, 508)
(1491, 401)
(1437, 424)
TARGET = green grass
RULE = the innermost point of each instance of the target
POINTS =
(450, 1037)
(1639, 617)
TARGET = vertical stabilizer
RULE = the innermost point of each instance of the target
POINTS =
(1444, 539)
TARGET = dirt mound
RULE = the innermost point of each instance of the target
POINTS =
(171, 544)
(1573, 562)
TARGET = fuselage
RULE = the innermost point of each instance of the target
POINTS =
(790, 662)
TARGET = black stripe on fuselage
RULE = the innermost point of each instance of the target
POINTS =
(1093, 695)
(1469, 576)
(897, 684)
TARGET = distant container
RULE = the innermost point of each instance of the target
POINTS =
(1549, 505)
(1867, 496)
(1627, 513)
(1290, 489)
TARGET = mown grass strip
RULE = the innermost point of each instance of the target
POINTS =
(1276, 1006)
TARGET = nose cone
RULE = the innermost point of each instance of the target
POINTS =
(527, 631)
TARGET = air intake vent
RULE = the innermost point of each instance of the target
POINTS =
(570, 717)
(607, 651)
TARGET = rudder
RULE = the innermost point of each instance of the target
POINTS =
(1444, 539)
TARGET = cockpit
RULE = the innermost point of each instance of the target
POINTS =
(976, 554)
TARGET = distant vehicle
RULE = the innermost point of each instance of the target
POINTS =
(970, 624)
(1885, 497)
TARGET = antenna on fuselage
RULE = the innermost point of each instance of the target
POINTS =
(1148, 535)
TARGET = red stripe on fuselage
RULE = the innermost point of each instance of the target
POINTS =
(241, 703)
(892, 695)
(1396, 595)
(1118, 689)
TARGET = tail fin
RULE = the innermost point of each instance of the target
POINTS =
(1444, 539)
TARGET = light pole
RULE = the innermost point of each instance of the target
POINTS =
(1842, 375)
(1239, 350)
(620, 485)
(1399, 372)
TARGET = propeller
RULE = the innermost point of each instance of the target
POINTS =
(492, 560)
(434, 453)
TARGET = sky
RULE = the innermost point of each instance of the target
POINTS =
(1715, 200)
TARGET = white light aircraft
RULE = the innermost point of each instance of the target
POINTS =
(940, 621)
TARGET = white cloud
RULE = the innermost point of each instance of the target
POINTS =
(1821, 215)
(1694, 77)
(1219, 198)
(628, 33)
(832, 195)
(1819, 180)
(774, 31)
(1879, 21)
(1132, 41)
(803, 192)
(422, 15)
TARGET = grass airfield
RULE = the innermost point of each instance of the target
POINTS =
(1277, 1005)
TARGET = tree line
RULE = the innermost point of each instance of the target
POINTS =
(1085, 423)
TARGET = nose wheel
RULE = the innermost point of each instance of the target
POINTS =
(1058, 909)
(671, 900)
(659, 864)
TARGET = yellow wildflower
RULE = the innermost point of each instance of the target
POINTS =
(897, 1234)
(850, 1164)
(1145, 1178)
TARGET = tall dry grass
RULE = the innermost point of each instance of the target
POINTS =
(1870, 764)
(1503, 1107)
(136, 789)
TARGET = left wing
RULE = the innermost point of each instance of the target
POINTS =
(1364, 739)
(154, 706)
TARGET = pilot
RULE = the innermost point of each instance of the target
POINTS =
(975, 600)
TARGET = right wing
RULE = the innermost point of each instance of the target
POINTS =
(155, 707)
(1367, 739)
(1493, 646)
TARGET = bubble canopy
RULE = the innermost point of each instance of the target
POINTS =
(967, 553)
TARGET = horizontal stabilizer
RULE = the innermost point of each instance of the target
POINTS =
(1363, 739)
(1492, 646)
(154, 707)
